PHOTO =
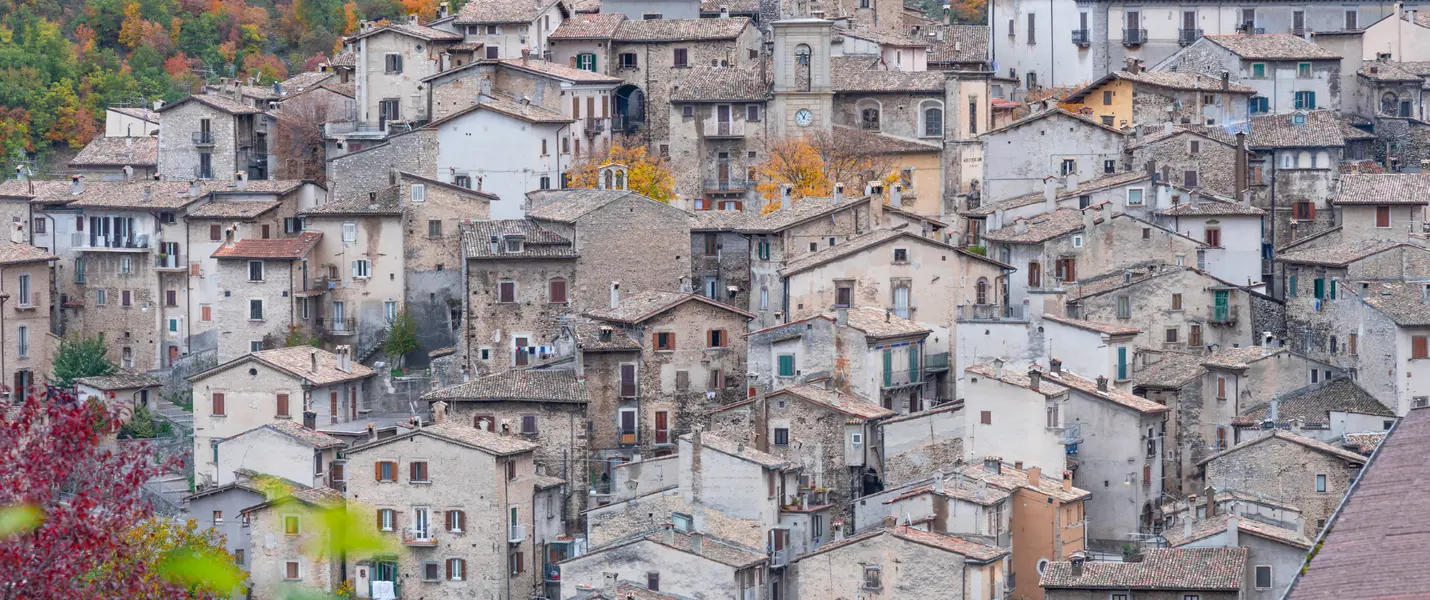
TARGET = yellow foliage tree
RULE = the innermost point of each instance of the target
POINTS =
(647, 175)
(793, 162)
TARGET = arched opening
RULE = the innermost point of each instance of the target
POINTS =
(1389, 103)
(981, 291)
(932, 119)
(629, 110)
(802, 68)
(868, 114)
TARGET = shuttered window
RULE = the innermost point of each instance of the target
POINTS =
(282, 405)
(218, 403)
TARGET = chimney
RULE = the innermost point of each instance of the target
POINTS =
(838, 192)
(313, 355)
(148, 194)
(345, 358)
(615, 295)
(1035, 377)
(1020, 226)
(77, 185)
(896, 197)
(609, 584)
(1242, 170)
(371, 430)
(443, 10)
(1211, 502)
(310, 420)
(1168, 127)
(1050, 193)
(1102, 384)
(1035, 476)
(724, 11)
(412, 19)
(841, 315)
(786, 196)
(1067, 481)
(1275, 410)
(697, 543)
(525, 56)
(888, 315)
(128, 172)
(1225, 80)
(1089, 219)
(1187, 523)
(997, 368)
(890, 521)
(667, 533)
(439, 412)
(1076, 559)
(993, 464)
(938, 483)
(876, 211)
(196, 189)
(1233, 532)
(1056, 366)
(605, 333)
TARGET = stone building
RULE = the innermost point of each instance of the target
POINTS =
(1087, 151)
(212, 136)
(496, 29)
(1387, 90)
(1178, 150)
(1290, 468)
(1163, 573)
(284, 449)
(262, 280)
(1175, 307)
(459, 500)
(118, 158)
(1293, 176)
(220, 508)
(912, 446)
(520, 277)
(695, 565)
(1288, 72)
(1382, 206)
(282, 533)
(829, 434)
(27, 343)
(532, 160)
(582, 41)
(906, 559)
(718, 134)
(1230, 230)
(1327, 412)
(1137, 97)
(270, 386)
(391, 61)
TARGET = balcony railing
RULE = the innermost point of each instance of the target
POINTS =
(418, 537)
(80, 240)
(202, 172)
(1186, 37)
(351, 127)
(1082, 37)
(1134, 37)
(517, 534)
(779, 558)
(724, 129)
(728, 184)
(906, 377)
(168, 261)
(625, 124)
(1225, 315)
(332, 326)
(991, 312)
(595, 127)
(203, 138)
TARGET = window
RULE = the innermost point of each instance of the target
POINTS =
(1305, 101)
(786, 365)
(715, 338)
(1035, 274)
(417, 472)
(386, 470)
(871, 576)
(282, 405)
(843, 294)
(1066, 269)
(1124, 307)
(255, 309)
(901, 255)
(493, 52)
(392, 63)
(171, 297)
(556, 290)
(752, 112)
(349, 232)
(781, 436)
(456, 569)
(1303, 70)
(1418, 347)
(1351, 342)
(1052, 415)
(869, 117)
(662, 419)
(1258, 70)
(1134, 197)
(1109, 167)
(980, 292)
(434, 228)
(528, 425)
(717, 380)
(1189, 178)
(1320, 484)
(1213, 237)
(586, 61)
(1069, 166)
(1259, 105)
(1254, 176)
(290, 525)
(1263, 575)
(126, 266)
(291, 572)
(456, 521)
(431, 571)
(1305, 210)
(1171, 335)
(1382, 218)
(933, 121)
(517, 562)
(255, 270)
(628, 60)
(682, 58)
(1032, 30)
(386, 519)
(464, 181)
(1176, 302)
(1194, 335)
(23, 335)
(985, 417)
(506, 292)
(664, 340)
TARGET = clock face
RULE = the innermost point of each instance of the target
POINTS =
(803, 118)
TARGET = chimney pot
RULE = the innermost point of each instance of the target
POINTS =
(1056, 366)
(439, 412)
(1035, 476)
(1101, 383)
(310, 419)
(1067, 481)
(1076, 560)
(697, 543)
(1035, 377)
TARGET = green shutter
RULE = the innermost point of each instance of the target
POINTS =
(1320, 288)
(787, 365)
(1333, 289)
(1291, 287)
(914, 362)
(1121, 363)
(888, 369)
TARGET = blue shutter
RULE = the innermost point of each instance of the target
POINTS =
(888, 369)
(1121, 363)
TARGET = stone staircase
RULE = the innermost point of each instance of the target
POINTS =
(179, 417)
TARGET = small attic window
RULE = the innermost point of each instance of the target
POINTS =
(513, 244)
(1298, 118)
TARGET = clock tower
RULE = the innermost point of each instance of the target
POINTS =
(803, 101)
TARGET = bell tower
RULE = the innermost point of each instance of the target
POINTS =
(803, 102)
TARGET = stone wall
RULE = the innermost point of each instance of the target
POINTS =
(1285, 471)
(616, 244)
(270, 549)
(916, 447)
(353, 175)
(433, 263)
(237, 329)
(130, 332)
(560, 430)
(494, 325)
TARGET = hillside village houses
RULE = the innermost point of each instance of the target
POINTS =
(1092, 300)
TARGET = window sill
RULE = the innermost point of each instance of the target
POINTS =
(425, 482)
(217, 415)
(284, 417)
(26, 307)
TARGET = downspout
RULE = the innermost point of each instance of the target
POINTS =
(466, 310)
(188, 298)
(56, 314)
(506, 516)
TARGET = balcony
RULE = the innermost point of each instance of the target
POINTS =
(595, 127)
(991, 312)
(629, 439)
(935, 362)
(329, 326)
(1225, 315)
(1134, 37)
(1186, 37)
(109, 243)
(418, 538)
(166, 262)
(779, 558)
(626, 125)
(517, 534)
(903, 378)
(1072, 436)
(353, 129)
(724, 129)
(203, 139)
(1082, 37)
(726, 185)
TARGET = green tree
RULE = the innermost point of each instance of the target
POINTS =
(79, 357)
(402, 336)
(297, 336)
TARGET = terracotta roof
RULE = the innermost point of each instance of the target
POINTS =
(865, 242)
(736, 6)
(305, 80)
(1404, 303)
(320, 496)
(216, 102)
(541, 385)
(1110, 282)
(462, 434)
(568, 205)
(1011, 478)
(848, 404)
(1052, 113)
(1209, 207)
(424, 32)
(626, 591)
(1272, 46)
(1384, 188)
(344, 59)
(537, 241)
(858, 74)
(1204, 528)
(599, 26)
(713, 548)
(297, 431)
(233, 209)
(1295, 438)
(544, 482)
(1240, 358)
(588, 337)
(1173, 80)
(958, 489)
(501, 11)
(880, 323)
(1341, 254)
(680, 30)
(143, 195)
(530, 113)
(383, 202)
(292, 248)
(1114, 395)
(738, 450)
(558, 70)
(298, 362)
(123, 380)
(1376, 543)
(961, 44)
(1038, 229)
(879, 143)
(972, 550)
(636, 308)
(138, 112)
(12, 253)
(799, 211)
(1175, 370)
(1375, 70)
(1312, 405)
(987, 208)
(118, 152)
(1095, 326)
(1180, 569)
(1364, 443)
(715, 84)
(586, 6)
(1322, 129)
(884, 38)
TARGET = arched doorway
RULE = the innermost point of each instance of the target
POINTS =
(630, 109)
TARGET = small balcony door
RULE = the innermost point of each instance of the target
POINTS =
(722, 119)
(722, 164)
(420, 523)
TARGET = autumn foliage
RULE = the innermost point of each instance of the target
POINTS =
(649, 175)
(812, 164)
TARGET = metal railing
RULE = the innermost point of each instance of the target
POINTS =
(202, 172)
(1185, 37)
(168, 261)
(1134, 37)
(1225, 315)
(893, 379)
(779, 558)
(330, 326)
(728, 184)
(418, 537)
(203, 138)
(347, 127)
(715, 128)
(625, 124)
(991, 312)
(78, 239)
(936, 361)
(517, 534)
(595, 127)
(1082, 37)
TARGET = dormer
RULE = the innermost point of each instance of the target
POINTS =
(513, 244)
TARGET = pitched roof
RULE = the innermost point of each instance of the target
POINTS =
(1094, 326)
(884, 38)
(879, 323)
(738, 450)
(1376, 70)
(589, 338)
(1322, 129)
(1172, 80)
(537, 241)
(1039, 228)
(1295, 438)
(970, 550)
(383, 202)
(217, 102)
(123, 380)
(715, 84)
(1313, 405)
(713, 548)
(1404, 303)
(233, 209)
(568, 205)
(737, 6)
(118, 152)
(1173, 371)
(1376, 542)
(680, 30)
(961, 44)
(1365, 442)
(139, 112)
(848, 404)
(291, 248)
(864, 242)
(1384, 188)
(1204, 569)
(12, 253)
(531, 113)
(1012, 478)
(1342, 254)
(411, 29)
(557, 70)
(1053, 113)
(638, 307)
(598, 26)
(879, 143)
(1204, 528)
(858, 74)
(464, 435)
(1210, 207)
(298, 362)
(1272, 46)
(501, 11)
(305, 80)
(297, 431)
(1240, 358)
(541, 385)
(344, 59)
(1054, 384)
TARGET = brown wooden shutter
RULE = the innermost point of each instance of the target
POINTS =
(377, 471)
(986, 417)
(194, 269)
(1418, 347)
(575, 107)
(333, 406)
(218, 403)
(379, 519)
(771, 480)
(282, 405)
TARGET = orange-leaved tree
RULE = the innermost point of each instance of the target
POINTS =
(794, 162)
(646, 174)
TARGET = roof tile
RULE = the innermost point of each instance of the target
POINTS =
(517, 385)
(1272, 46)
(118, 152)
(1180, 569)
(1384, 188)
(292, 248)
